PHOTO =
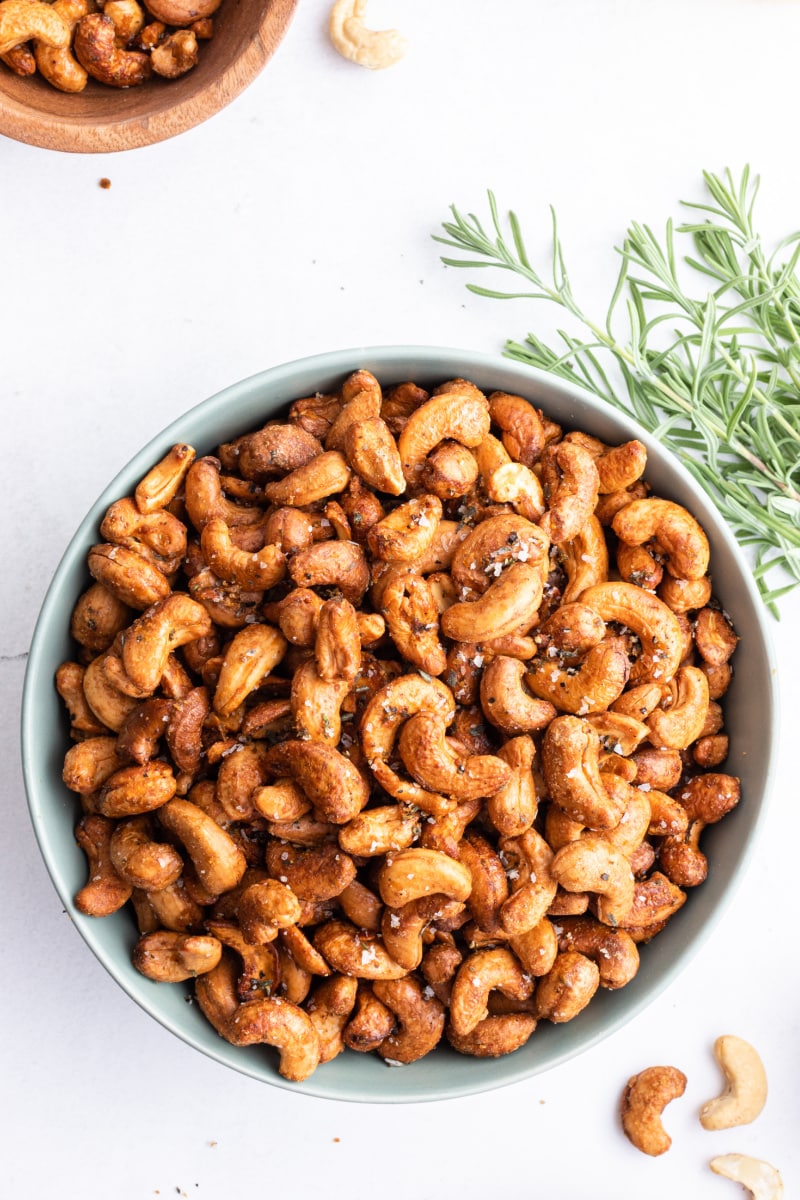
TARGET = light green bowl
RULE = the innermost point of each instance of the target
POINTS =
(750, 708)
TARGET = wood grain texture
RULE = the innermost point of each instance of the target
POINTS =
(102, 119)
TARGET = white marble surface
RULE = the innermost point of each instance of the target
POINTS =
(299, 220)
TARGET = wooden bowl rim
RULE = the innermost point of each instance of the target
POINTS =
(77, 134)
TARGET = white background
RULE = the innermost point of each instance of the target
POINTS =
(299, 220)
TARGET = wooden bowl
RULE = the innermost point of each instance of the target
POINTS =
(100, 119)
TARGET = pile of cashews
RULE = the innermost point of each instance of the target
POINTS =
(119, 43)
(397, 719)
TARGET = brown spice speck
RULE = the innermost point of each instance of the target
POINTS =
(105, 183)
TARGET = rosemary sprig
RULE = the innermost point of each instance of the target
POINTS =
(715, 376)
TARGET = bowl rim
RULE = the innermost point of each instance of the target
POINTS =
(71, 134)
(427, 361)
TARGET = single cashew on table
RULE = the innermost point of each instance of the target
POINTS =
(381, 742)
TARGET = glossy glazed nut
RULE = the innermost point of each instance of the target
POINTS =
(422, 872)
(567, 987)
(352, 952)
(250, 656)
(494, 1036)
(57, 64)
(644, 1100)
(383, 716)
(429, 758)
(217, 859)
(88, 764)
(403, 929)
(274, 1021)
(324, 476)
(330, 1006)
(158, 632)
(590, 686)
(254, 571)
(409, 607)
(745, 1091)
(94, 44)
(570, 762)
(613, 950)
(512, 808)
(584, 559)
(105, 892)
(420, 1019)
(129, 576)
(481, 973)
(523, 434)
(654, 624)
(24, 20)
(332, 783)
(673, 529)
(458, 412)
(509, 605)
(705, 799)
(133, 790)
(714, 637)
(140, 859)
(761, 1179)
(169, 957)
(161, 484)
(571, 483)
(529, 868)
(370, 1023)
(332, 564)
(680, 719)
(380, 830)
(592, 864)
(505, 702)
(337, 642)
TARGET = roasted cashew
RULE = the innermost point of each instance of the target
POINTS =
(537, 948)
(433, 762)
(406, 534)
(402, 929)
(714, 637)
(705, 799)
(250, 656)
(655, 900)
(332, 783)
(449, 471)
(57, 64)
(167, 624)
(324, 476)
(512, 808)
(523, 434)
(23, 20)
(218, 861)
(106, 891)
(571, 766)
(95, 47)
(140, 860)
(517, 485)
(509, 605)
(372, 453)
(332, 564)
(761, 1180)
(584, 559)
(684, 595)
(371, 1022)
(567, 987)
(409, 607)
(493, 545)
(481, 973)
(383, 716)
(674, 530)
(421, 872)
(589, 687)
(494, 1035)
(312, 872)
(134, 581)
(460, 414)
(182, 12)
(680, 719)
(420, 1019)
(593, 864)
(571, 482)
(489, 883)
(162, 482)
(380, 830)
(176, 55)
(170, 957)
(98, 617)
(655, 625)
(266, 906)
(746, 1085)
(646, 1096)
(529, 861)
(89, 763)
(316, 704)
(330, 1006)
(134, 790)
(505, 702)
(255, 571)
(352, 952)
(274, 1021)
(613, 950)
(69, 685)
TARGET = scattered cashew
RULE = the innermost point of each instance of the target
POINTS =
(746, 1085)
(761, 1180)
(354, 41)
(646, 1096)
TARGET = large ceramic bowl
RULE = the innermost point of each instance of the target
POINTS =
(101, 119)
(750, 718)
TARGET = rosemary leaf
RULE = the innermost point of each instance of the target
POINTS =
(713, 374)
